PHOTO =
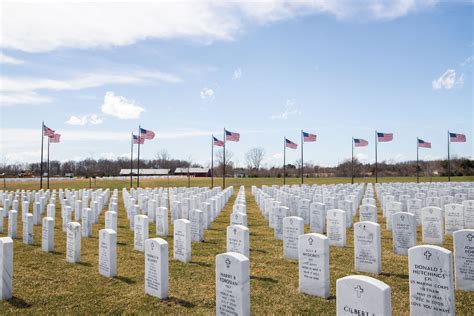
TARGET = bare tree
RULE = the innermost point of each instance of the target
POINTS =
(254, 158)
(228, 159)
(163, 155)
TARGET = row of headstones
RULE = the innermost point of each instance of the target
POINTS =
(367, 258)
(29, 220)
(428, 189)
(156, 249)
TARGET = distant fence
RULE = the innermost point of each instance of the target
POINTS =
(37, 179)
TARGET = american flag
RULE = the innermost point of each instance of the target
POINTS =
(384, 137)
(457, 138)
(147, 134)
(54, 138)
(47, 131)
(231, 136)
(290, 144)
(138, 140)
(422, 143)
(359, 142)
(307, 137)
(218, 142)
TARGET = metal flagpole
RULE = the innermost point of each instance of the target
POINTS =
(48, 165)
(352, 157)
(417, 161)
(449, 162)
(284, 160)
(212, 161)
(376, 174)
(131, 163)
(138, 163)
(302, 141)
(223, 172)
(41, 165)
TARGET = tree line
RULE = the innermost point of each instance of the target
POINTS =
(254, 167)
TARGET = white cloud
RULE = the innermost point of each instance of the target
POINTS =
(120, 107)
(448, 80)
(23, 90)
(468, 62)
(40, 26)
(237, 74)
(92, 119)
(290, 110)
(4, 59)
(361, 157)
(207, 93)
(23, 98)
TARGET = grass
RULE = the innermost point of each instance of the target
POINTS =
(45, 283)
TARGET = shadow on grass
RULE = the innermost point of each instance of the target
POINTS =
(57, 253)
(397, 275)
(121, 243)
(259, 250)
(18, 302)
(331, 298)
(85, 264)
(202, 264)
(180, 302)
(264, 279)
(125, 279)
(210, 242)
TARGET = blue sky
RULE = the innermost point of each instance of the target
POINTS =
(265, 69)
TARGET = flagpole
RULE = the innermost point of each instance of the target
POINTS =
(449, 162)
(48, 164)
(41, 165)
(131, 162)
(138, 163)
(302, 141)
(352, 157)
(284, 160)
(212, 161)
(376, 173)
(417, 161)
(223, 173)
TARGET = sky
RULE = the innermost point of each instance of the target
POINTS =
(267, 69)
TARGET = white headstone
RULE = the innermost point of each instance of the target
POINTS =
(140, 232)
(197, 230)
(182, 240)
(238, 218)
(12, 223)
(47, 234)
(432, 225)
(108, 252)
(317, 216)
(6, 268)
(73, 243)
(403, 232)
(453, 218)
(313, 264)
(238, 239)
(279, 214)
(468, 214)
(362, 295)
(367, 247)
(303, 210)
(431, 281)
(368, 213)
(336, 227)
(87, 219)
(464, 259)
(156, 267)
(232, 284)
(28, 229)
(162, 221)
(293, 227)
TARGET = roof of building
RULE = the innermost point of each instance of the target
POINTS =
(151, 172)
(191, 170)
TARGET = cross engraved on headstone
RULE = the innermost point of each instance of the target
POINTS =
(427, 254)
(227, 262)
(403, 218)
(470, 237)
(359, 290)
(310, 240)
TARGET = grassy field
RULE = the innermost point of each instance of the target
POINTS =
(45, 283)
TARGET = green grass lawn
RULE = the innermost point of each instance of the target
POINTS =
(45, 283)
